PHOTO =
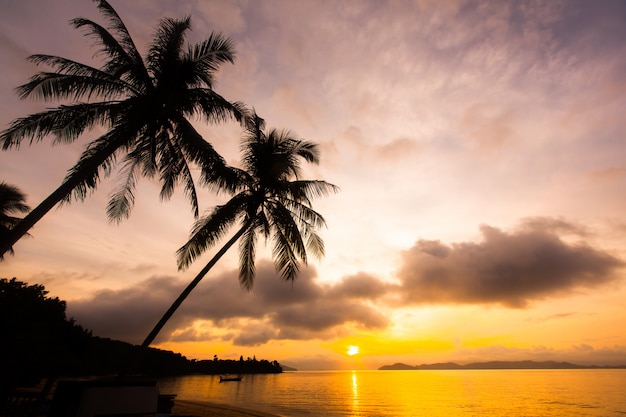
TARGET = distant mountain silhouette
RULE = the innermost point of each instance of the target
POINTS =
(495, 365)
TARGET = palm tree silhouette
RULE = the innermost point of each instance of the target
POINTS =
(12, 201)
(143, 103)
(270, 200)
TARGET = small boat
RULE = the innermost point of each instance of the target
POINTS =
(227, 378)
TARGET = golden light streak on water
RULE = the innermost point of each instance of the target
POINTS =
(491, 393)
(355, 392)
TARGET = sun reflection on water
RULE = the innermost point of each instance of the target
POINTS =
(355, 392)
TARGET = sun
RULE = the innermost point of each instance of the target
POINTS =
(353, 350)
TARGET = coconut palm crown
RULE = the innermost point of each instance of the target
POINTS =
(12, 201)
(145, 105)
(272, 201)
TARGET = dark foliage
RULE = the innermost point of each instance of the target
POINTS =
(249, 366)
(144, 104)
(12, 201)
(38, 341)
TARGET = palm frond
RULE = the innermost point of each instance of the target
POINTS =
(118, 61)
(285, 260)
(171, 163)
(165, 51)
(173, 169)
(190, 189)
(287, 242)
(11, 200)
(315, 243)
(125, 40)
(8, 222)
(122, 200)
(55, 86)
(209, 229)
(97, 158)
(74, 120)
(214, 171)
(282, 218)
(69, 67)
(247, 252)
(144, 105)
(207, 57)
(254, 125)
(304, 214)
(309, 151)
(123, 60)
(65, 122)
(212, 107)
(213, 51)
(304, 190)
(35, 127)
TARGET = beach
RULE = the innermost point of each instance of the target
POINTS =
(205, 409)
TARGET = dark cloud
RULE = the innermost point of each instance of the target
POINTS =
(360, 285)
(127, 314)
(304, 308)
(533, 262)
(511, 269)
(255, 334)
(325, 314)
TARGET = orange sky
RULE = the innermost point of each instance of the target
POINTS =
(479, 148)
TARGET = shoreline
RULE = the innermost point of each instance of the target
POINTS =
(208, 409)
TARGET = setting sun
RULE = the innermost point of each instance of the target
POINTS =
(353, 350)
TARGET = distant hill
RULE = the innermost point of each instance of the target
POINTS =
(495, 365)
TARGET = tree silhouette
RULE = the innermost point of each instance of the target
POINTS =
(12, 201)
(270, 200)
(36, 338)
(143, 103)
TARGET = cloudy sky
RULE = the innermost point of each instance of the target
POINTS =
(480, 151)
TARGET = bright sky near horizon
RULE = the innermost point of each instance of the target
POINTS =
(479, 146)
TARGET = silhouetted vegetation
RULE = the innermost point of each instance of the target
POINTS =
(145, 106)
(37, 341)
(228, 366)
(12, 201)
(36, 338)
(271, 201)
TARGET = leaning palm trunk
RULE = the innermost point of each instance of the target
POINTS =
(146, 104)
(168, 314)
(20, 229)
(270, 200)
(63, 193)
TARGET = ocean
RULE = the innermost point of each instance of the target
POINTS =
(510, 393)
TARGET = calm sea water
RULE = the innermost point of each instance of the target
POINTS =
(511, 393)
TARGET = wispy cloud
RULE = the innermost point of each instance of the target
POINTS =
(433, 117)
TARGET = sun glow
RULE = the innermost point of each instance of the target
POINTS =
(352, 350)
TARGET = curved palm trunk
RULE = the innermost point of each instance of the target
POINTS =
(20, 229)
(125, 367)
(168, 314)
(58, 195)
